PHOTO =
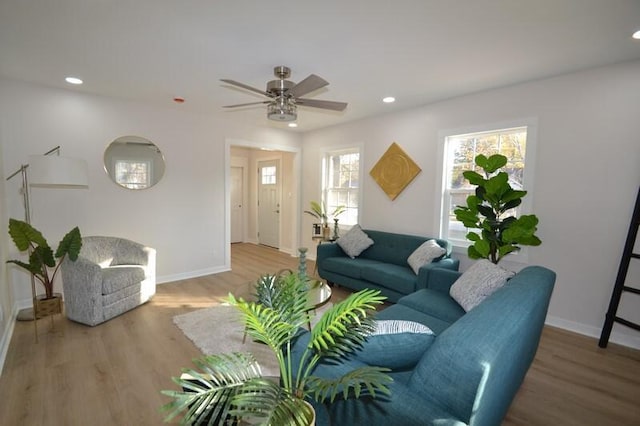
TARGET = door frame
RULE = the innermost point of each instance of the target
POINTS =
(296, 173)
(243, 164)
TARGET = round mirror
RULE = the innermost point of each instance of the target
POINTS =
(134, 162)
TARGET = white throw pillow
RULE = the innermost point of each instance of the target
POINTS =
(425, 254)
(477, 283)
(355, 241)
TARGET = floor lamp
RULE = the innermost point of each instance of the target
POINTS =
(48, 171)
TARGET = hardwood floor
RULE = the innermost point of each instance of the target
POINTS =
(112, 374)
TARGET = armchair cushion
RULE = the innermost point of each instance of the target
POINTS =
(116, 278)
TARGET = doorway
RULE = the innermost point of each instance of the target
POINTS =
(237, 204)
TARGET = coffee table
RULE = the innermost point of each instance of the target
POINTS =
(318, 295)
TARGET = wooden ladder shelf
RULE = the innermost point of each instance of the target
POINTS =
(619, 287)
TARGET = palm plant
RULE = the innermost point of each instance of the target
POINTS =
(319, 211)
(229, 387)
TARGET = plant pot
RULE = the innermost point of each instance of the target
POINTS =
(45, 307)
(326, 232)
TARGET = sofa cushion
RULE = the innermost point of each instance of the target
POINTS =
(398, 278)
(478, 282)
(116, 278)
(396, 344)
(434, 303)
(425, 254)
(354, 242)
(347, 266)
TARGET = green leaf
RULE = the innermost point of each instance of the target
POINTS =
(481, 161)
(23, 235)
(473, 253)
(472, 236)
(474, 178)
(494, 162)
(364, 380)
(34, 269)
(70, 244)
(482, 247)
(498, 185)
(513, 195)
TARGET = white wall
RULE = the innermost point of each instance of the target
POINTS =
(183, 216)
(587, 174)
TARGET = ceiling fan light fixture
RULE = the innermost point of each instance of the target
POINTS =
(282, 111)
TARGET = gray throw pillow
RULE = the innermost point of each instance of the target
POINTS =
(354, 242)
(425, 254)
(477, 283)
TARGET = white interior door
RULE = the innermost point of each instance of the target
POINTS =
(237, 205)
(269, 203)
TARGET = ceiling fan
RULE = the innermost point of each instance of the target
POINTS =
(284, 95)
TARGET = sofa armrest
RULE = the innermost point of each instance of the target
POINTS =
(440, 279)
(82, 287)
(424, 274)
(326, 250)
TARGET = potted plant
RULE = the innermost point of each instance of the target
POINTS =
(230, 387)
(319, 211)
(489, 210)
(43, 262)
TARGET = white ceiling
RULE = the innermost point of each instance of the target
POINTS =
(419, 51)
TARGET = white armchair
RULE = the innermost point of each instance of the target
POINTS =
(111, 276)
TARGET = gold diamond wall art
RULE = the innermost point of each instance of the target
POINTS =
(394, 171)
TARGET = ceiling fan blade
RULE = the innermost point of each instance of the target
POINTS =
(244, 86)
(316, 103)
(247, 104)
(308, 85)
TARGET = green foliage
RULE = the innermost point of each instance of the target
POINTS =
(41, 256)
(499, 234)
(276, 322)
(319, 211)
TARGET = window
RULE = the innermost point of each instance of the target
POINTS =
(133, 174)
(459, 154)
(268, 175)
(342, 183)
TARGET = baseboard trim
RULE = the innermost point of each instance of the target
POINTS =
(587, 330)
(191, 274)
(6, 336)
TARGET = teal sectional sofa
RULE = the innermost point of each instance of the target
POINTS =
(467, 374)
(382, 266)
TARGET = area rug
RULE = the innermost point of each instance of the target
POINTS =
(218, 330)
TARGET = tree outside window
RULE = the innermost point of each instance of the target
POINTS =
(342, 184)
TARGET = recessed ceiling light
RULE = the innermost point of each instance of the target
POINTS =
(388, 99)
(73, 80)
(293, 124)
(636, 35)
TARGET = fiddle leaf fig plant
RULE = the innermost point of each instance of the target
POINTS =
(490, 211)
(43, 262)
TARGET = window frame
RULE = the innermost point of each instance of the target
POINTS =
(129, 185)
(528, 179)
(325, 179)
